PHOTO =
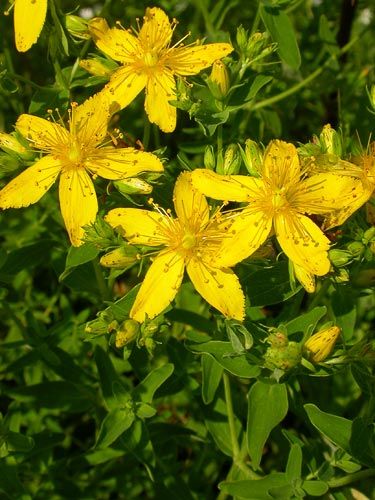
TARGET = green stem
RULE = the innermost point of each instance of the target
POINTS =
(206, 16)
(295, 88)
(232, 428)
(102, 284)
(351, 478)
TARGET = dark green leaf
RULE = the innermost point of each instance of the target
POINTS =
(211, 375)
(115, 423)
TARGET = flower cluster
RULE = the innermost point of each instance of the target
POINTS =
(292, 195)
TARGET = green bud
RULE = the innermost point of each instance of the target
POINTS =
(127, 332)
(232, 160)
(340, 257)
(252, 157)
(241, 38)
(277, 339)
(330, 141)
(133, 185)
(120, 258)
(95, 67)
(77, 27)
(356, 248)
(209, 158)
(284, 357)
(10, 144)
(369, 235)
(101, 234)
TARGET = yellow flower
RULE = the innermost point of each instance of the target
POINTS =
(149, 61)
(278, 200)
(189, 241)
(73, 152)
(319, 346)
(29, 17)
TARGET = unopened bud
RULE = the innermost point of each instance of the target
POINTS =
(133, 185)
(340, 257)
(330, 141)
(319, 346)
(220, 79)
(252, 157)
(277, 339)
(356, 248)
(95, 67)
(241, 38)
(127, 332)
(209, 158)
(98, 27)
(283, 357)
(120, 258)
(232, 160)
(369, 235)
(77, 27)
(10, 144)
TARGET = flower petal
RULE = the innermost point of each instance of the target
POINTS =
(303, 242)
(89, 121)
(226, 187)
(219, 287)
(125, 84)
(41, 133)
(78, 202)
(156, 32)
(114, 164)
(29, 186)
(161, 88)
(29, 17)
(119, 44)
(186, 61)
(160, 286)
(191, 206)
(249, 231)
(141, 227)
(281, 163)
(306, 279)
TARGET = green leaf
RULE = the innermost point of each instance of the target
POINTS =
(49, 98)
(259, 82)
(225, 355)
(255, 489)
(294, 464)
(336, 429)
(267, 406)
(115, 423)
(315, 488)
(216, 420)
(27, 257)
(145, 390)
(80, 255)
(212, 372)
(306, 322)
(281, 30)
(18, 442)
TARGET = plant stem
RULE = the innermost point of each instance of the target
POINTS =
(351, 478)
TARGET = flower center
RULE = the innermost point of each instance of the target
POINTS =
(150, 59)
(189, 241)
(74, 153)
(279, 200)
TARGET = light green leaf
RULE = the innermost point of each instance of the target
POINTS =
(315, 488)
(294, 464)
(267, 406)
(255, 489)
(114, 424)
(145, 390)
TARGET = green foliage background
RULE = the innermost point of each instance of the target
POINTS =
(190, 411)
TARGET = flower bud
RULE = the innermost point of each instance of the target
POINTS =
(319, 346)
(98, 27)
(77, 27)
(10, 144)
(209, 158)
(220, 79)
(127, 332)
(232, 160)
(340, 257)
(252, 157)
(133, 185)
(283, 357)
(120, 258)
(277, 339)
(330, 141)
(95, 67)
(241, 38)
(369, 235)
(356, 248)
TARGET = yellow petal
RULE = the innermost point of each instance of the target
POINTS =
(219, 287)
(248, 232)
(125, 84)
(281, 163)
(29, 16)
(156, 32)
(78, 202)
(29, 186)
(114, 164)
(303, 242)
(190, 205)
(161, 88)
(141, 227)
(89, 121)
(118, 44)
(226, 187)
(159, 288)
(306, 279)
(41, 133)
(191, 60)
